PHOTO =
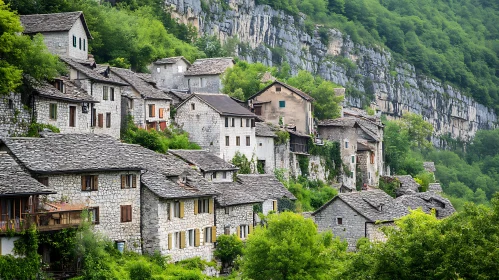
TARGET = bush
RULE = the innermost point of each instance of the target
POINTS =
(229, 247)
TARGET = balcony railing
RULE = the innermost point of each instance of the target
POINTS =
(44, 221)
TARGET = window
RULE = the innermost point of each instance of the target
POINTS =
(209, 234)
(226, 122)
(178, 209)
(158, 70)
(94, 215)
(228, 210)
(241, 122)
(105, 93)
(247, 122)
(214, 175)
(277, 88)
(74, 41)
(339, 221)
(126, 213)
(180, 69)
(130, 103)
(84, 44)
(282, 104)
(243, 231)
(233, 122)
(238, 141)
(227, 230)
(258, 111)
(193, 106)
(90, 183)
(372, 158)
(94, 118)
(152, 110)
(11, 104)
(161, 113)
(79, 42)
(224, 175)
(190, 237)
(108, 119)
(72, 116)
(204, 205)
(253, 123)
(44, 181)
(168, 211)
(177, 240)
(369, 175)
(128, 181)
(353, 159)
(226, 140)
(346, 144)
(53, 111)
(111, 90)
(248, 142)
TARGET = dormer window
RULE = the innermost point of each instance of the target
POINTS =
(59, 84)
(380, 207)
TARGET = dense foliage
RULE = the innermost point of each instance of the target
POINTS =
(159, 141)
(244, 164)
(22, 56)
(229, 247)
(454, 41)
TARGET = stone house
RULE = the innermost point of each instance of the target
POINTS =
(178, 96)
(205, 75)
(15, 117)
(107, 182)
(211, 167)
(20, 199)
(218, 124)
(428, 201)
(105, 116)
(407, 185)
(168, 73)
(355, 215)
(148, 105)
(265, 147)
(62, 104)
(180, 215)
(64, 34)
(282, 104)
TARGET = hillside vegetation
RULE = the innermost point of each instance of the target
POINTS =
(455, 41)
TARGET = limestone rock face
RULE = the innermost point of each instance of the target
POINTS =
(270, 36)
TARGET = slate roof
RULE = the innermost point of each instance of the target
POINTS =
(203, 159)
(166, 187)
(428, 201)
(341, 122)
(374, 205)
(362, 146)
(292, 89)
(66, 153)
(72, 92)
(407, 185)
(234, 193)
(264, 130)
(264, 186)
(40, 23)
(144, 88)
(429, 166)
(92, 73)
(14, 181)
(171, 60)
(181, 95)
(223, 104)
(435, 187)
(209, 66)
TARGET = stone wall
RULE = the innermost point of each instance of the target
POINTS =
(79, 31)
(156, 227)
(14, 116)
(109, 197)
(203, 125)
(158, 104)
(58, 42)
(265, 152)
(317, 169)
(42, 115)
(238, 215)
(106, 106)
(374, 232)
(169, 76)
(220, 176)
(271, 37)
(352, 227)
(203, 83)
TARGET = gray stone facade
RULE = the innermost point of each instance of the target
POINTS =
(138, 108)
(160, 227)
(230, 218)
(204, 83)
(109, 197)
(42, 115)
(14, 118)
(169, 75)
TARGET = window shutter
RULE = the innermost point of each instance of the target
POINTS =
(274, 205)
(83, 187)
(161, 112)
(211, 206)
(195, 207)
(250, 229)
(123, 181)
(181, 209)
(182, 239)
(101, 120)
(238, 231)
(129, 213)
(197, 237)
(170, 211)
(122, 213)
(134, 181)
(153, 111)
(170, 241)
(213, 233)
(96, 183)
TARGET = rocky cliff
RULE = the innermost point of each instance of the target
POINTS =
(370, 75)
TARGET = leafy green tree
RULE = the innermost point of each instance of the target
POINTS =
(211, 46)
(418, 130)
(289, 247)
(229, 247)
(242, 162)
(244, 79)
(20, 55)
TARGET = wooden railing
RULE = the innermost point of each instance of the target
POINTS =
(299, 148)
(43, 221)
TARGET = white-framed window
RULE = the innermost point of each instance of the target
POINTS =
(176, 209)
(228, 210)
(176, 237)
(191, 237)
(243, 231)
(353, 158)
(158, 70)
(224, 175)
(346, 144)
(207, 235)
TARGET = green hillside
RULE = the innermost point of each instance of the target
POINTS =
(455, 41)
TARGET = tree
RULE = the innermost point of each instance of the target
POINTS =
(21, 56)
(244, 78)
(418, 130)
(229, 247)
(289, 247)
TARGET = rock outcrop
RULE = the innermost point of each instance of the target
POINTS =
(370, 74)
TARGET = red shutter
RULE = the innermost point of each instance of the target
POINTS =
(161, 112)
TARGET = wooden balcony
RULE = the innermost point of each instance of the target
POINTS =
(50, 221)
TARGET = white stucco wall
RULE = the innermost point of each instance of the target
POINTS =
(265, 151)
